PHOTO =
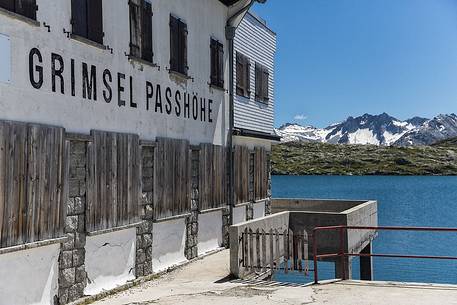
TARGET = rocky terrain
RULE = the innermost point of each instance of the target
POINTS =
(315, 158)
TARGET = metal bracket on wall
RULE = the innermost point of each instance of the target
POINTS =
(68, 33)
(47, 26)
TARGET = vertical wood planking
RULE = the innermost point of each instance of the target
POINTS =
(172, 178)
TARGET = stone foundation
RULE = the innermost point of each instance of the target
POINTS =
(72, 274)
(192, 220)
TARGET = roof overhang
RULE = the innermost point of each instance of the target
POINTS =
(256, 134)
(229, 2)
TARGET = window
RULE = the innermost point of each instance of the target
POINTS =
(178, 46)
(87, 19)
(217, 64)
(141, 29)
(25, 8)
(243, 75)
(261, 83)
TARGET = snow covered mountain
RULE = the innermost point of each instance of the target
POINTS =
(381, 129)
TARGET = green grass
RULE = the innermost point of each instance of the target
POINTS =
(329, 159)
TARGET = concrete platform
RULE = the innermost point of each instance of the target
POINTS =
(205, 282)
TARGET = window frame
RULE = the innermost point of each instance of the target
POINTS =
(178, 46)
(143, 48)
(217, 73)
(90, 29)
(262, 83)
(29, 11)
(243, 90)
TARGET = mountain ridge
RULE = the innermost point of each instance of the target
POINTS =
(380, 130)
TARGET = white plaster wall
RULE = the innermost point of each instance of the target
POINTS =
(29, 277)
(209, 231)
(239, 214)
(259, 210)
(5, 59)
(110, 260)
(20, 101)
(168, 244)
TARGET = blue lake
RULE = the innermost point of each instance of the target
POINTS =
(426, 201)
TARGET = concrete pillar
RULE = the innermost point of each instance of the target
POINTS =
(366, 266)
(347, 263)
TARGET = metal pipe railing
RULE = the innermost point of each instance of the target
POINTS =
(343, 254)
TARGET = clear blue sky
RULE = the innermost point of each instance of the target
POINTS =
(348, 57)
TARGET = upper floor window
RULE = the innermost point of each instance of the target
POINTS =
(217, 63)
(25, 8)
(87, 19)
(243, 75)
(141, 29)
(178, 46)
(261, 83)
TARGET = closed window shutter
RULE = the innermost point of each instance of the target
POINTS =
(95, 20)
(147, 53)
(247, 75)
(265, 84)
(174, 43)
(26, 8)
(183, 36)
(240, 70)
(7, 5)
(213, 48)
(220, 65)
(258, 82)
(135, 31)
(79, 17)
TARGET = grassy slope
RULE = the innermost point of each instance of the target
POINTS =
(328, 159)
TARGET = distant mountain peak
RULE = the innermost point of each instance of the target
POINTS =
(381, 129)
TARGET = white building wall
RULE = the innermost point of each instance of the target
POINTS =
(168, 244)
(256, 41)
(110, 260)
(209, 232)
(20, 101)
(29, 277)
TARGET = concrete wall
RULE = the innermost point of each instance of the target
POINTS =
(239, 214)
(205, 19)
(259, 209)
(110, 260)
(169, 242)
(315, 205)
(278, 221)
(29, 276)
(209, 231)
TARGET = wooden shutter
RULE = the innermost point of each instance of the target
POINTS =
(135, 30)
(258, 82)
(146, 46)
(26, 8)
(240, 70)
(95, 20)
(220, 64)
(183, 38)
(174, 43)
(265, 84)
(79, 17)
(7, 5)
(213, 47)
(247, 75)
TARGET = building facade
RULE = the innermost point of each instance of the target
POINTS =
(115, 142)
(254, 102)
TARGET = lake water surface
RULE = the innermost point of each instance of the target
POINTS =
(427, 201)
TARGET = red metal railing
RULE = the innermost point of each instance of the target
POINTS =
(342, 254)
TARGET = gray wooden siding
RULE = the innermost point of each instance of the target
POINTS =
(254, 40)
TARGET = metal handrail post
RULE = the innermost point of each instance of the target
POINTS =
(316, 279)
